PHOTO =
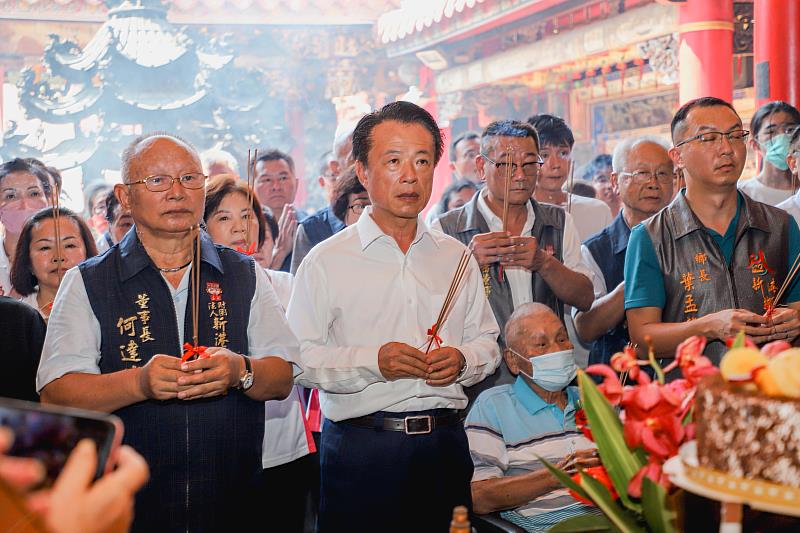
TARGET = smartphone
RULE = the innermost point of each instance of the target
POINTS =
(49, 433)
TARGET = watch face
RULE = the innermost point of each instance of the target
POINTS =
(247, 381)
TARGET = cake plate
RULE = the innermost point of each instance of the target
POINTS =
(733, 492)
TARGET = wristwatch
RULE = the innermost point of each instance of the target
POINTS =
(246, 381)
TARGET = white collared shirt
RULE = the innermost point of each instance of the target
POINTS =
(589, 215)
(357, 291)
(72, 343)
(792, 206)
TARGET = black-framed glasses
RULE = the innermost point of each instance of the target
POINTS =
(735, 136)
(162, 182)
(645, 176)
(357, 208)
(531, 168)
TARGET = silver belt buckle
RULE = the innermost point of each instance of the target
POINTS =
(418, 431)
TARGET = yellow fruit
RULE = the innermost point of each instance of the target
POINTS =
(766, 382)
(739, 363)
(785, 370)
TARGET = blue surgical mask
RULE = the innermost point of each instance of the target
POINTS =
(552, 371)
(776, 149)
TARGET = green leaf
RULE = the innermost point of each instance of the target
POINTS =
(584, 522)
(618, 460)
(616, 514)
(660, 518)
(738, 342)
(564, 478)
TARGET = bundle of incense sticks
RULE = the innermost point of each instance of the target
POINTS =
(191, 350)
(455, 284)
(251, 182)
(57, 223)
(507, 190)
(785, 286)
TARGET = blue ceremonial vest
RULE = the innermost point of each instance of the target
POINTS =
(204, 455)
(608, 250)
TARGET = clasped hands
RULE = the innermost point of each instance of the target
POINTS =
(783, 324)
(510, 251)
(164, 377)
(440, 367)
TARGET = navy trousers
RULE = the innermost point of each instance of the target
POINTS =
(373, 479)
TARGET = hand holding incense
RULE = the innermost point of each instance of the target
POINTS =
(784, 287)
(194, 350)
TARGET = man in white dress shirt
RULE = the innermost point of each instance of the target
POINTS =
(115, 336)
(394, 453)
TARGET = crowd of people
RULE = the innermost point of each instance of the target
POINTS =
(296, 370)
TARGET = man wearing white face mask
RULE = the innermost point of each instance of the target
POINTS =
(23, 191)
(510, 425)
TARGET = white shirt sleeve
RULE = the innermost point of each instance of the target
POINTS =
(268, 332)
(571, 248)
(344, 369)
(72, 343)
(595, 274)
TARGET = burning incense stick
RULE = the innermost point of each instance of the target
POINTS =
(509, 175)
(191, 350)
(788, 281)
(570, 184)
(455, 284)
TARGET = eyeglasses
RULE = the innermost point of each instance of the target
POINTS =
(357, 208)
(735, 136)
(162, 182)
(530, 168)
(787, 128)
(644, 176)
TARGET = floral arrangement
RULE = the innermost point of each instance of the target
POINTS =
(630, 487)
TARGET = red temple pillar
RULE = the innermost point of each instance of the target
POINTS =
(776, 48)
(706, 49)
(442, 174)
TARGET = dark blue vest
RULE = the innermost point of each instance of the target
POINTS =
(321, 225)
(608, 249)
(204, 455)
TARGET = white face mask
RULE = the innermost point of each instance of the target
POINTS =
(552, 371)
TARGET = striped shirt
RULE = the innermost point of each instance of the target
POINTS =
(507, 427)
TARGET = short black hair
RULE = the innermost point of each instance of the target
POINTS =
(581, 188)
(345, 186)
(404, 112)
(509, 128)
(466, 136)
(111, 204)
(683, 112)
(22, 278)
(553, 130)
(276, 155)
(768, 109)
(456, 186)
(26, 165)
(600, 162)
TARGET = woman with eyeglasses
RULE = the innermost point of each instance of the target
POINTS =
(771, 129)
(349, 199)
(234, 222)
(96, 208)
(24, 188)
(41, 261)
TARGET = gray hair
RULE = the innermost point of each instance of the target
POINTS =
(210, 157)
(621, 151)
(132, 150)
(514, 327)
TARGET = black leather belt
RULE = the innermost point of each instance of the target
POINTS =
(410, 425)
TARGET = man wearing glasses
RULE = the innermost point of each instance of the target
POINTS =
(538, 258)
(642, 176)
(117, 330)
(712, 262)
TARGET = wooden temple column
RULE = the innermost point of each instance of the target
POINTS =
(706, 49)
(776, 48)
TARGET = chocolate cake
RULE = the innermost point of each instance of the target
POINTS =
(747, 434)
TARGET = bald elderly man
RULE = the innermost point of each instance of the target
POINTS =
(510, 425)
(115, 336)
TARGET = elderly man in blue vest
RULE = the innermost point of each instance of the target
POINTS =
(642, 175)
(115, 340)
(712, 262)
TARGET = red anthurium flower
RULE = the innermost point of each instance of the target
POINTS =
(582, 423)
(599, 473)
(626, 361)
(652, 419)
(698, 369)
(610, 387)
(690, 349)
(651, 470)
(748, 342)
(773, 348)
